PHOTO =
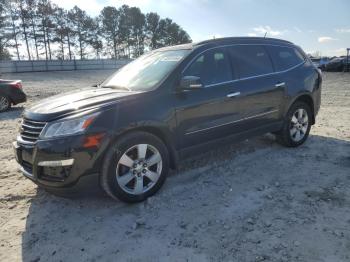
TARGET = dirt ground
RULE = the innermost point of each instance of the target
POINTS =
(251, 201)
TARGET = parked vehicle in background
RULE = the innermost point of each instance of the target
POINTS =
(169, 104)
(337, 64)
(346, 63)
(11, 93)
(320, 62)
(323, 62)
(315, 61)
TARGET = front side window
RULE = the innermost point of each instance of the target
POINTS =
(213, 67)
(250, 60)
(147, 71)
(284, 57)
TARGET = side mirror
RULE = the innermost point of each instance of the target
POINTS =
(191, 83)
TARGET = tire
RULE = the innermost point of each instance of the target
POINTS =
(118, 169)
(5, 103)
(288, 135)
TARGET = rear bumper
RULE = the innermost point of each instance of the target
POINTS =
(18, 96)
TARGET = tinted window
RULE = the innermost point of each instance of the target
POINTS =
(284, 57)
(212, 67)
(251, 60)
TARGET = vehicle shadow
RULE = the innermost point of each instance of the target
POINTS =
(12, 113)
(95, 227)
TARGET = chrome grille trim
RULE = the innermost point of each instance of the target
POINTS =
(33, 127)
(30, 131)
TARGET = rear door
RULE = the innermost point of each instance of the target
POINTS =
(260, 91)
(285, 59)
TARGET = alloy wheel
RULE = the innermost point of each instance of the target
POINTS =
(299, 125)
(4, 103)
(139, 169)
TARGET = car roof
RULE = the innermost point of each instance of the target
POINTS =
(229, 41)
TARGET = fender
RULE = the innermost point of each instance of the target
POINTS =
(302, 96)
(157, 128)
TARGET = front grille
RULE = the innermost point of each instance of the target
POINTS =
(30, 130)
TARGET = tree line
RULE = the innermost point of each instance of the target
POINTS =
(43, 30)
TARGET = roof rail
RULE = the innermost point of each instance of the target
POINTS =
(224, 39)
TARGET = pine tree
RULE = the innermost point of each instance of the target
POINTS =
(60, 31)
(46, 29)
(95, 38)
(110, 18)
(14, 18)
(82, 24)
(153, 30)
(5, 35)
(25, 23)
(137, 25)
(31, 6)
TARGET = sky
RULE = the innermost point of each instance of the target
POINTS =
(315, 25)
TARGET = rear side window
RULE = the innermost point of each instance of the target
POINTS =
(284, 57)
(250, 60)
(213, 67)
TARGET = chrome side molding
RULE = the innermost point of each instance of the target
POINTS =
(233, 94)
(280, 84)
(232, 122)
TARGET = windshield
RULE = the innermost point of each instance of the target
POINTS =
(145, 72)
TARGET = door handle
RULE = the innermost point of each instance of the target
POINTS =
(233, 94)
(280, 84)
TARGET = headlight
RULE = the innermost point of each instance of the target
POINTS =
(68, 127)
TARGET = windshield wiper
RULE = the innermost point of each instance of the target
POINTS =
(118, 87)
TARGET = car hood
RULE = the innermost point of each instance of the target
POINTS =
(74, 102)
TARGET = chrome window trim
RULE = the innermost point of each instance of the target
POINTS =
(245, 78)
(232, 122)
(252, 77)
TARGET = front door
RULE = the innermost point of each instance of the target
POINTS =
(203, 114)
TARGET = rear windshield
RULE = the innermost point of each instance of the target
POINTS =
(284, 57)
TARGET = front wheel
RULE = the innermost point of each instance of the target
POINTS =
(296, 127)
(135, 167)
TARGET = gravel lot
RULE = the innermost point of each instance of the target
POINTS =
(251, 201)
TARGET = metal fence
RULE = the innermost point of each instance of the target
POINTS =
(59, 65)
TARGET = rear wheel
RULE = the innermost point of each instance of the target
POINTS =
(296, 127)
(5, 103)
(135, 167)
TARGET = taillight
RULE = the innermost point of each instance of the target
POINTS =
(17, 85)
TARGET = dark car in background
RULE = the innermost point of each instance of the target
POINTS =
(320, 63)
(169, 104)
(11, 93)
(337, 64)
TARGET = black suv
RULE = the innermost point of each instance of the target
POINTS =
(126, 133)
